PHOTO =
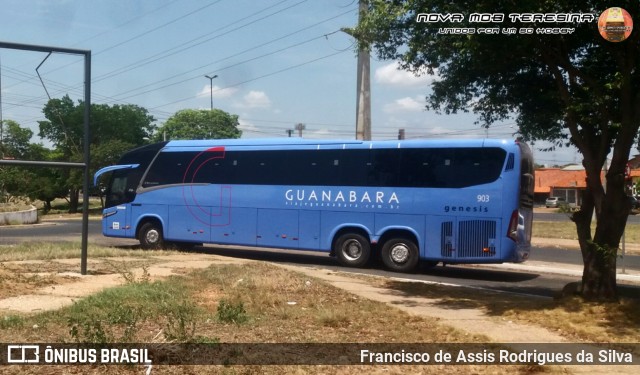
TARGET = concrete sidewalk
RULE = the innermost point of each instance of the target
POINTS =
(629, 276)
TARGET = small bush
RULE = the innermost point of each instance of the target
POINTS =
(88, 331)
(11, 321)
(229, 312)
(182, 317)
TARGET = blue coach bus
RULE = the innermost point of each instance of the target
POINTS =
(450, 201)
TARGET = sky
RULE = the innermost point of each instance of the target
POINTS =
(278, 63)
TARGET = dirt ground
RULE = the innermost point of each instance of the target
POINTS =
(61, 289)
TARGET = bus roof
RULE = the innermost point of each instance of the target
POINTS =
(301, 143)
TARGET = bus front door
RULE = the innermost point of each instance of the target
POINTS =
(116, 221)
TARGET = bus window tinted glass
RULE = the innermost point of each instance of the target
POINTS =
(169, 168)
(437, 168)
(450, 168)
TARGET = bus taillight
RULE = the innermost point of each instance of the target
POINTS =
(512, 232)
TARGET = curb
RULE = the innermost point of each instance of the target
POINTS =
(559, 269)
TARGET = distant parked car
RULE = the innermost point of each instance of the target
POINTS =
(555, 202)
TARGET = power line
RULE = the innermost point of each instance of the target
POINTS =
(138, 36)
(181, 48)
(122, 25)
(132, 38)
(252, 48)
(230, 66)
(29, 76)
(158, 27)
(257, 78)
(112, 99)
(68, 88)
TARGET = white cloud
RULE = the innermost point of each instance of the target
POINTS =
(247, 127)
(405, 105)
(319, 134)
(255, 99)
(217, 92)
(391, 74)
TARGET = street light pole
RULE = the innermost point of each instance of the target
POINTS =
(211, 87)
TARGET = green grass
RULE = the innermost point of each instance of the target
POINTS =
(67, 250)
(567, 230)
(119, 314)
(11, 321)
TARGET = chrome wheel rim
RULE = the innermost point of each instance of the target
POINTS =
(352, 249)
(152, 236)
(400, 253)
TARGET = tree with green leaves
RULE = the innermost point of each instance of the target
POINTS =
(199, 124)
(113, 129)
(35, 183)
(15, 140)
(44, 184)
(15, 145)
(574, 88)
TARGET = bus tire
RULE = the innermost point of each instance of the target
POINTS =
(151, 237)
(400, 255)
(352, 250)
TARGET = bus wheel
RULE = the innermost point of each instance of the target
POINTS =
(400, 255)
(352, 250)
(151, 237)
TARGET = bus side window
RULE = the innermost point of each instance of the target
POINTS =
(385, 167)
(416, 168)
(444, 172)
(355, 168)
(318, 167)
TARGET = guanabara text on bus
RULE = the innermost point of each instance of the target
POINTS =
(450, 201)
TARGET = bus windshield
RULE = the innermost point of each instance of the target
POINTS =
(123, 183)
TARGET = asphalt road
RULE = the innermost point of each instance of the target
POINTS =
(536, 282)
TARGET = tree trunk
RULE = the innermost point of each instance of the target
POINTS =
(599, 275)
(74, 198)
(599, 253)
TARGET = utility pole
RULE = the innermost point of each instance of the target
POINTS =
(363, 89)
(300, 127)
(400, 134)
(211, 87)
(363, 105)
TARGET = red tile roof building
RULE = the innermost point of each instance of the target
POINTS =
(567, 183)
(548, 178)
